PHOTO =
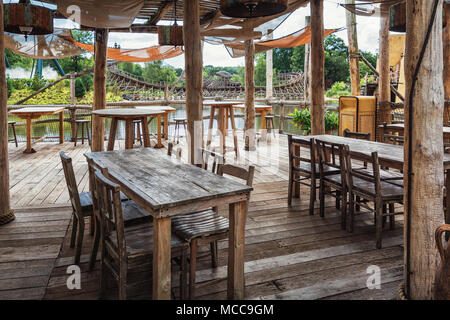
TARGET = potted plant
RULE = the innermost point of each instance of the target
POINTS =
(302, 119)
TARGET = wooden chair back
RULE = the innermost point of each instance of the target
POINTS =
(110, 212)
(93, 186)
(356, 135)
(71, 184)
(331, 155)
(211, 159)
(238, 172)
(390, 138)
(294, 159)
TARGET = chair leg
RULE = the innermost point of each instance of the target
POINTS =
(357, 206)
(93, 258)
(74, 230)
(291, 176)
(76, 134)
(177, 132)
(183, 275)
(338, 199)
(351, 213)
(92, 224)
(322, 199)
(384, 215)
(82, 133)
(185, 130)
(192, 267)
(79, 243)
(344, 210)
(88, 136)
(392, 217)
(312, 196)
(14, 133)
(214, 257)
(139, 125)
(123, 285)
(379, 222)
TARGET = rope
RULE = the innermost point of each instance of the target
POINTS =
(401, 292)
(4, 219)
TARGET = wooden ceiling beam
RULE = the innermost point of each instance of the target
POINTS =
(162, 11)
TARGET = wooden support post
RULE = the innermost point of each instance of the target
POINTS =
(424, 183)
(317, 68)
(6, 214)
(384, 80)
(249, 95)
(269, 69)
(446, 43)
(72, 104)
(307, 65)
(194, 73)
(353, 50)
(98, 123)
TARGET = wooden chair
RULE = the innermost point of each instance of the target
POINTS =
(356, 135)
(390, 138)
(125, 248)
(371, 188)
(332, 155)
(302, 168)
(207, 226)
(211, 159)
(132, 213)
(12, 124)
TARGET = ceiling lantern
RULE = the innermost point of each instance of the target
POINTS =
(170, 35)
(252, 8)
(397, 17)
(26, 19)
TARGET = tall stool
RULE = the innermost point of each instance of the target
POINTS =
(84, 124)
(137, 126)
(269, 123)
(178, 123)
(13, 126)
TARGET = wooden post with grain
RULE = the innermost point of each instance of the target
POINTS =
(249, 95)
(446, 43)
(269, 68)
(98, 123)
(6, 214)
(317, 68)
(353, 50)
(426, 177)
(194, 74)
(307, 73)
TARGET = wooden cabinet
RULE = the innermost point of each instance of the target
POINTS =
(358, 114)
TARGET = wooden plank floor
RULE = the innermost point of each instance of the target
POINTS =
(289, 254)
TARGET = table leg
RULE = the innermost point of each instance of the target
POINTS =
(211, 123)
(129, 136)
(233, 127)
(112, 134)
(29, 149)
(222, 130)
(61, 127)
(146, 132)
(263, 124)
(226, 121)
(158, 127)
(166, 126)
(161, 258)
(236, 247)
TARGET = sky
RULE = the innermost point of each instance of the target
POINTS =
(334, 17)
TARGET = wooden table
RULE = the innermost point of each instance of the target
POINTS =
(129, 115)
(400, 128)
(263, 110)
(166, 110)
(225, 110)
(167, 187)
(31, 113)
(389, 155)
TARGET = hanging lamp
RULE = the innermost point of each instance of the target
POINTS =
(27, 19)
(252, 8)
(171, 35)
(397, 17)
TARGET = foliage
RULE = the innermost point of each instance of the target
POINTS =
(38, 83)
(80, 90)
(155, 71)
(298, 59)
(282, 58)
(9, 86)
(260, 70)
(338, 89)
(17, 61)
(302, 119)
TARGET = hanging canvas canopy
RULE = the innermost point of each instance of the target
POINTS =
(370, 9)
(293, 40)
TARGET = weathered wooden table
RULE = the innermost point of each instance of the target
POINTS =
(400, 128)
(32, 113)
(389, 155)
(225, 110)
(167, 187)
(129, 115)
(167, 110)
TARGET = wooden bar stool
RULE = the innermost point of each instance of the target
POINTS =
(270, 127)
(178, 123)
(137, 125)
(13, 127)
(84, 124)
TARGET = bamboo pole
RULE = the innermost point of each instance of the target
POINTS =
(317, 68)
(423, 148)
(249, 95)
(384, 80)
(353, 51)
(307, 65)
(446, 43)
(98, 123)
(194, 73)
(6, 214)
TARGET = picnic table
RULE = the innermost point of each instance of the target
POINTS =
(129, 115)
(31, 113)
(389, 155)
(166, 187)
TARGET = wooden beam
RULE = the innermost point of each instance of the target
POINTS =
(425, 181)
(353, 51)
(269, 69)
(194, 73)
(232, 33)
(384, 80)
(446, 42)
(162, 11)
(317, 68)
(307, 65)
(98, 123)
(6, 214)
(249, 95)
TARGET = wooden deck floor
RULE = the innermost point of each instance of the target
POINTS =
(289, 254)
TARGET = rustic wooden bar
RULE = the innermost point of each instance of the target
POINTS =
(166, 187)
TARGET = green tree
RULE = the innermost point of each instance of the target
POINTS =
(80, 90)
(282, 59)
(260, 69)
(157, 72)
(298, 59)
